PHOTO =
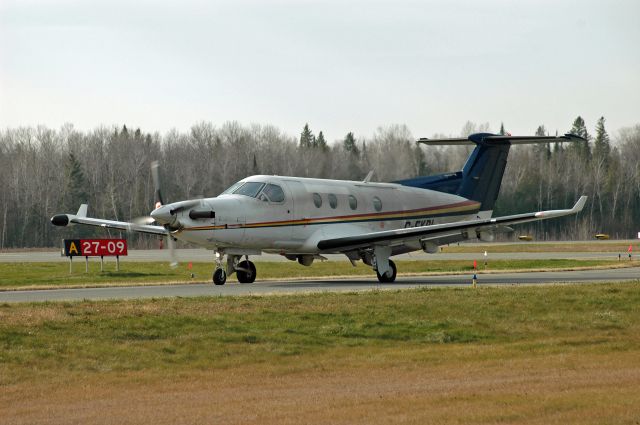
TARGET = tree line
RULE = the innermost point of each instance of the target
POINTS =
(47, 171)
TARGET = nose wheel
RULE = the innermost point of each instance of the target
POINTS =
(219, 276)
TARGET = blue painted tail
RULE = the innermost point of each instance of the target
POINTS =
(481, 176)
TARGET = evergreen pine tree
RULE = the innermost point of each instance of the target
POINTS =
(542, 150)
(601, 146)
(321, 142)
(502, 132)
(75, 191)
(306, 137)
(580, 129)
(349, 144)
(256, 169)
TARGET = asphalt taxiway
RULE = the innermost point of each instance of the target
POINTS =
(204, 255)
(315, 286)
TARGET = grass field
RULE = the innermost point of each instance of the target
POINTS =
(45, 275)
(539, 355)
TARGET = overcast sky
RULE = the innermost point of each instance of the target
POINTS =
(338, 65)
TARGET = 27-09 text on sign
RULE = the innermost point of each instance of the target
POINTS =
(94, 247)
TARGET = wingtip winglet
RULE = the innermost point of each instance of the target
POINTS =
(580, 204)
(82, 211)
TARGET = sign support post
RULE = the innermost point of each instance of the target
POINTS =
(86, 264)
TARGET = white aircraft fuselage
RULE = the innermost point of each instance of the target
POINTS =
(313, 210)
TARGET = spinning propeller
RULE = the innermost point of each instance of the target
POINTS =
(164, 215)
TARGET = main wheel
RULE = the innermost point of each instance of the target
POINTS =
(248, 275)
(388, 277)
(219, 277)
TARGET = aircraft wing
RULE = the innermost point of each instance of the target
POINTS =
(81, 218)
(440, 231)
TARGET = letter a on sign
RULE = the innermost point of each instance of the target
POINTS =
(72, 247)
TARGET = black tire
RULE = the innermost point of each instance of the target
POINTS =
(248, 275)
(219, 277)
(388, 279)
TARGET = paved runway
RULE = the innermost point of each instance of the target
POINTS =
(203, 255)
(345, 285)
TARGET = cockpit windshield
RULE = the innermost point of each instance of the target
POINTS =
(232, 188)
(250, 189)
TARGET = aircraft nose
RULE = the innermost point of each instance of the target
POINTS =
(162, 214)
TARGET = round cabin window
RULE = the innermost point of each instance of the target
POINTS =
(353, 202)
(317, 200)
(333, 201)
(377, 203)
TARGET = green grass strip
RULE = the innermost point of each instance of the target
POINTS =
(19, 275)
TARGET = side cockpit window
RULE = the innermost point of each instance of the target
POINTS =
(272, 193)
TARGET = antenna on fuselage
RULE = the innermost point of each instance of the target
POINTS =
(368, 178)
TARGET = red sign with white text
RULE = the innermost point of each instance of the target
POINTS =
(95, 247)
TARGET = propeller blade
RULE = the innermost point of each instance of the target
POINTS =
(172, 252)
(155, 175)
(145, 219)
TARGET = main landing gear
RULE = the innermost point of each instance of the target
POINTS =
(384, 267)
(390, 275)
(245, 270)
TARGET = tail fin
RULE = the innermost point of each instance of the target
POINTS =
(481, 176)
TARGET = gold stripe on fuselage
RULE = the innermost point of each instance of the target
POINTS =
(461, 207)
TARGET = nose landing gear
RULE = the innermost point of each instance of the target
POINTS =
(245, 270)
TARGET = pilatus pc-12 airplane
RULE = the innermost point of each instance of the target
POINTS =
(303, 218)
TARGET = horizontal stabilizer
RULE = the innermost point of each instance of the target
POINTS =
(492, 139)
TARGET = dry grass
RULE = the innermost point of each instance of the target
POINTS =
(352, 388)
